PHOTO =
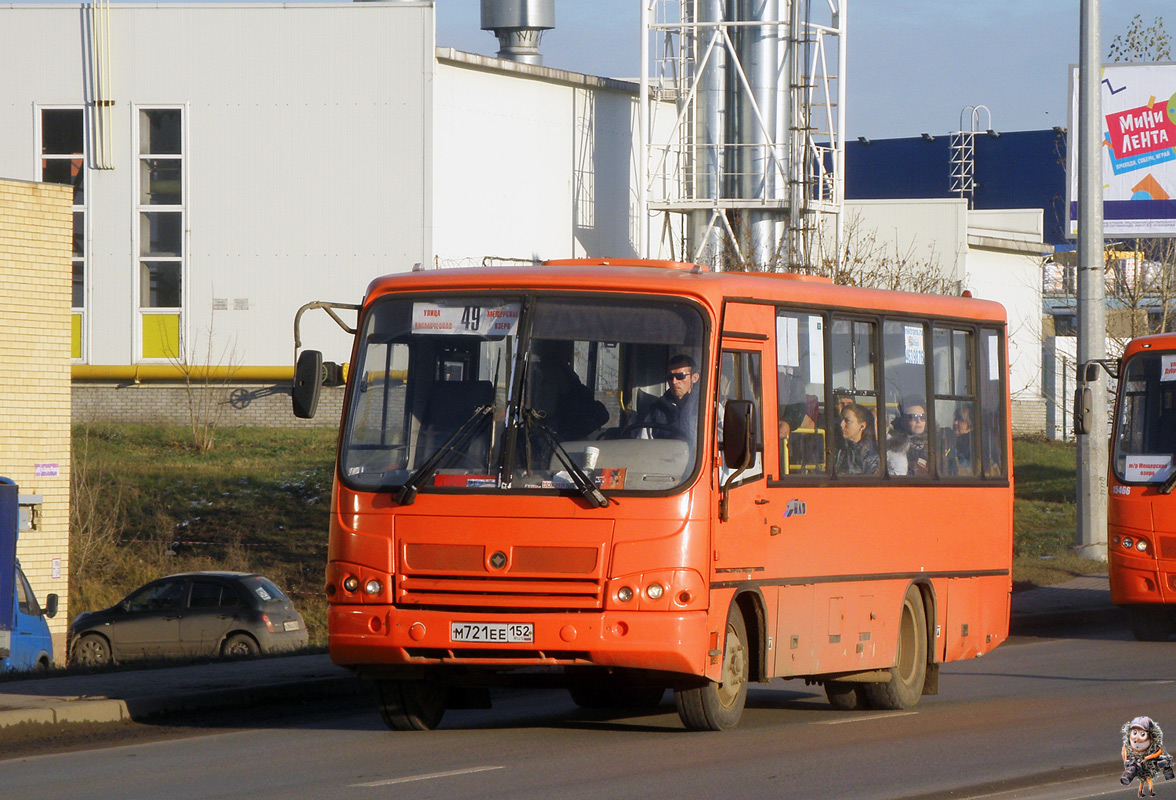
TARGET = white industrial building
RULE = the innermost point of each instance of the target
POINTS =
(232, 162)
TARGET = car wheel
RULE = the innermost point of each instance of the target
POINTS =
(240, 645)
(91, 651)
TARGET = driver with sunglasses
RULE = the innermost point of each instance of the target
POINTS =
(674, 415)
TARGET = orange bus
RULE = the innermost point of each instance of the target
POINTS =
(1141, 509)
(629, 476)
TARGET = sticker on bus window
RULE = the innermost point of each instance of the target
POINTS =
(788, 341)
(1168, 367)
(914, 343)
(993, 359)
(1146, 468)
(816, 351)
(465, 320)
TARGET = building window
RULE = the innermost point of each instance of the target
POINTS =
(160, 209)
(63, 160)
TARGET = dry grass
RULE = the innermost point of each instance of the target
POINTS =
(257, 502)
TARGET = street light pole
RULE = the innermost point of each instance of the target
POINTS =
(1092, 446)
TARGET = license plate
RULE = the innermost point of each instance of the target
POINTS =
(290, 626)
(508, 632)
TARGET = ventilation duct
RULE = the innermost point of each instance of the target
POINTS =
(518, 24)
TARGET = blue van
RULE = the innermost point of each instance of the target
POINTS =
(30, 647)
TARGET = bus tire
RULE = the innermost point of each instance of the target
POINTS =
(845, 696)
(719, 706)
(1150, 623)
(905, 686)
(411, 705)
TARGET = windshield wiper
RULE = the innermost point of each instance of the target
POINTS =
(1166, 486)
(461, 436)
(581, 480)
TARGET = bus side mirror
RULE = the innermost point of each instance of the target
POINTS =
(1091, 371)
(1083, 400)
(50, 605)
(738, 434)
(308, 378)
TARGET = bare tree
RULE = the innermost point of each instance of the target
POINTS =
(1140, 43)
(206, 388)
(867, 261)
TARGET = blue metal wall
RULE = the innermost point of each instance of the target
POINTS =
(1021, 169)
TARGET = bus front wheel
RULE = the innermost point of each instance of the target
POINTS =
(1150, 623)
(905, 686)
(411, 705)
(719, 706)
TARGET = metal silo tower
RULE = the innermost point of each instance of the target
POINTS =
(748, 172)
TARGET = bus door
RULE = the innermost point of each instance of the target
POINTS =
(742, 529)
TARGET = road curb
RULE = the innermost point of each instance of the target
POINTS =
(106, 709)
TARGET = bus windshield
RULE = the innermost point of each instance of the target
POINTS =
(491, 392)
(1146, 438)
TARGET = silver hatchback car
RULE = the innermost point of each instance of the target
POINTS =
(188, 615)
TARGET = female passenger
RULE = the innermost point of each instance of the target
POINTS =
(858, 453)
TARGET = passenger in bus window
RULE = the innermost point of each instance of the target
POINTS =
(858, 451)
(674, 415)
(797, 408)
(906, 448)
(958, 459)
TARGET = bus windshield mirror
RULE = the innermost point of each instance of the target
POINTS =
(408, 491)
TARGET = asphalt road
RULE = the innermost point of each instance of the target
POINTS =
(1037, 718)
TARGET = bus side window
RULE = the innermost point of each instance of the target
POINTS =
(954, 375)
(744, 371)
(909, 428)
(800, 383)
(992, 412)
(854, 359)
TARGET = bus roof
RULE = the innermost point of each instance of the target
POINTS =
(683, 279)
(1157, 341)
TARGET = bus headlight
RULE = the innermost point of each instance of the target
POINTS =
(624, 594)
(655, 591)
(373, 587)
(1128, 542)
(1141, 545)
(351, 583)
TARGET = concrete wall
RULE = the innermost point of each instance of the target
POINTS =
(35, 239)
(238, 404)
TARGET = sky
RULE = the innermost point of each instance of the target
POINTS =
(913, 65)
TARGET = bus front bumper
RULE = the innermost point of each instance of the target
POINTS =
(364, 635)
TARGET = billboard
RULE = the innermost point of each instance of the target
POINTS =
(1138, 152)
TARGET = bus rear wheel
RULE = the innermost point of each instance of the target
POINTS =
(909, 672)
(846, 696)
(1150, 623)
(411, 705)
(719, 706)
